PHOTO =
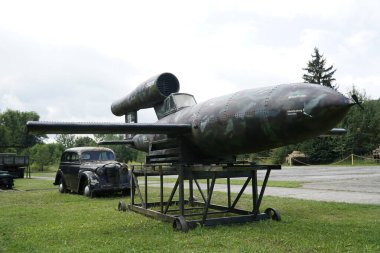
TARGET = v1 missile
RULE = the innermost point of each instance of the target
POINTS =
(246, 121)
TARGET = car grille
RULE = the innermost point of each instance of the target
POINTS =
(113, 176)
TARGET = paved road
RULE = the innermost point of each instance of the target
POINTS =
(337, 184)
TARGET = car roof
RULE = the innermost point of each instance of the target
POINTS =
(83, 149)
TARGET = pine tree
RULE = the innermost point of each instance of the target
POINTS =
(317, 73)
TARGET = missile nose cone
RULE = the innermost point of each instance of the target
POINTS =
(307, 110)
(328, 105)
(326, 109)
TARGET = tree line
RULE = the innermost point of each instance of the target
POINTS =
(15, 139)
(363, 130)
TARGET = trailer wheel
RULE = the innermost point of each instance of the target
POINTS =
(180, 224)
(273, 214)
(122, 206)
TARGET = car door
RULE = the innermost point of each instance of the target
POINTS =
(65, 168)
(74, 171)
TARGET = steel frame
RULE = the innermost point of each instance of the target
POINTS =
(184, 216)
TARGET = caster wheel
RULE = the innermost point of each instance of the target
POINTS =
(122, 206)
(180, 224)
(273, 214)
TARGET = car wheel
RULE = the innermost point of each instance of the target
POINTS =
(62, 187)
(86, 190)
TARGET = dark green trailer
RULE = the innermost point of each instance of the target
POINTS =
(14, 164)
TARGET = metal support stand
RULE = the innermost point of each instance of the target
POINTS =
(188, 213)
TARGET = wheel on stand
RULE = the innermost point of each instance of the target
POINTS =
(273, 214)
(180, 224)
(122, 206)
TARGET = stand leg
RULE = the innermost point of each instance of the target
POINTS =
(254, 191)
(211, 190)
(181, 193)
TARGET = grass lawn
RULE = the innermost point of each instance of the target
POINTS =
(36, 218)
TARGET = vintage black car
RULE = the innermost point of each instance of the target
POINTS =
(91, 170)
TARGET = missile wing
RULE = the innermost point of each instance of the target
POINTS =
(45, 127)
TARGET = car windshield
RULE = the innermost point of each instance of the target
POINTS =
(97, 156)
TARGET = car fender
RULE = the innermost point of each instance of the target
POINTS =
(91, 176)
(58, 177)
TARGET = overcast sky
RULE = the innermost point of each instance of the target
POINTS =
(69, 60)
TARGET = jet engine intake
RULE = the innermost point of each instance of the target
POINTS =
(146, 95)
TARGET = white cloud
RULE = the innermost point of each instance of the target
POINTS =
(369, 84)
(9, 101)
(69, 60)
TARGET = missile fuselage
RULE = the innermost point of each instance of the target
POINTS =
(253, 120)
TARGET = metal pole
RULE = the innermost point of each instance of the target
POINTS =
(207, 205)
(146, 187)
(229, 192)
(161, 191)
(181, 192)
(132, 185)
(254, 189)
(256, 210)
(191, 191)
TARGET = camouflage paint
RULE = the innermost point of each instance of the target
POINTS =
(257, 119)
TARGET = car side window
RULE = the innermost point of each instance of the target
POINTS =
(85, 156)
(65, 157)
(74, 157)
(69, 157)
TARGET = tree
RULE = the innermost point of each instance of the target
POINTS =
(44, 154)
(66, 140)
(84, 141)
(317, 73)
(12, 129)
(363, 126)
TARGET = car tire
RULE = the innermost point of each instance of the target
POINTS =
(62, 186)
(86, 190)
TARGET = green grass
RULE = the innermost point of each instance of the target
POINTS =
(43, 174)
(47, 221)
(286, 184)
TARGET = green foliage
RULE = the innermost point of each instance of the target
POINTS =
(12, 130)
(66, 140)
(72, 140)
(363, 126)
(84, 141)
(321, 150)
(317, 72)
(278, 155)
(42, 155)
